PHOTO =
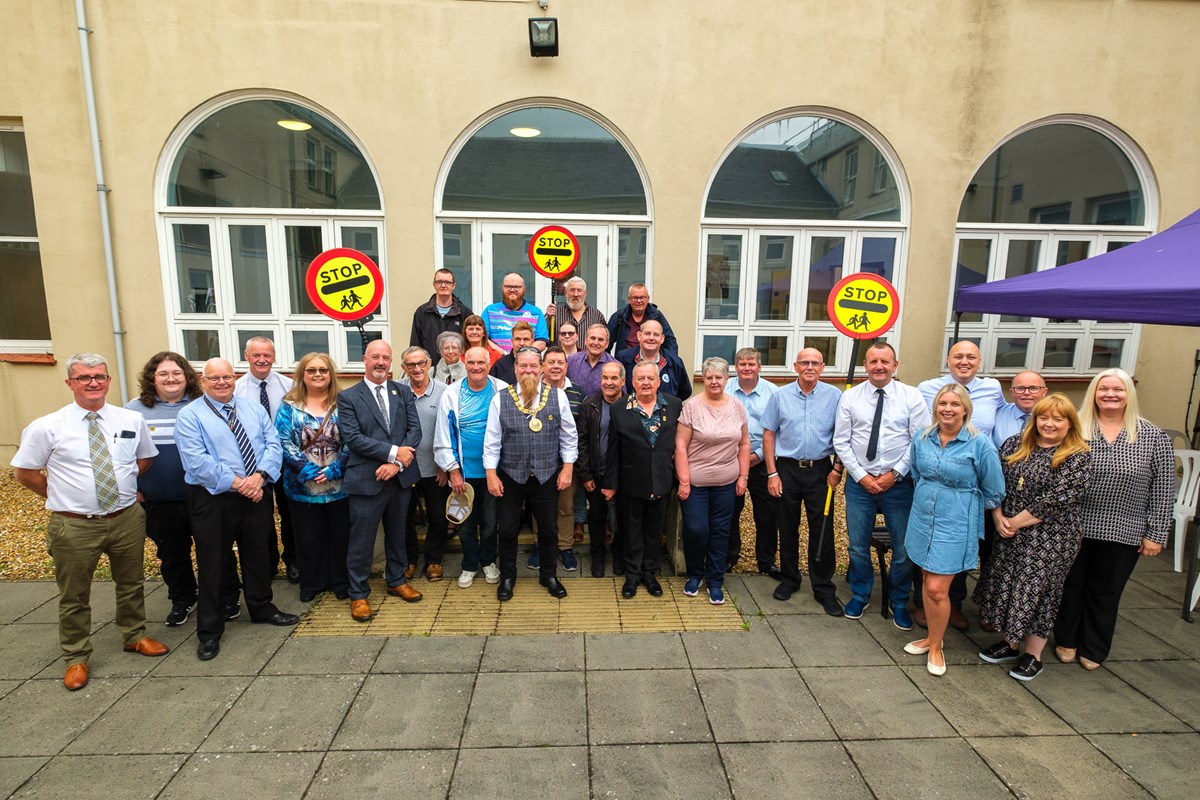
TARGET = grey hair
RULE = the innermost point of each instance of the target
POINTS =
(576, 279)
(258, 340)
(620, 367)
(414, 349)
(714, 364)
(86, 360)
(446, 336)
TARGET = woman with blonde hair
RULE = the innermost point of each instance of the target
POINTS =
(957, 475)
(1126, 513)
(1046, 471)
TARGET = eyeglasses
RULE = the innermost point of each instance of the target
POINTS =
(508, 288)
(219, 378)
(84, 380)
(443, 283)
(527, 349)
(175, 374)
(636, 299)
(415, 364)
(316, 370)
(1028, 389)
(809, 363)
(567, 333)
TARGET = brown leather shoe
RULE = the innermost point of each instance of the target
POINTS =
(919, 617)
(360, 611)
(409, 571)
(433, 572)
(147, 647)
(987, 626)
(958, 619)
(76, 677)
(578, 532)
(405, 592)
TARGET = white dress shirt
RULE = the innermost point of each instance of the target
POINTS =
(277, 386)
(568, 437)
(904, 417)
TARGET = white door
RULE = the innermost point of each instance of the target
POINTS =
(504, 248)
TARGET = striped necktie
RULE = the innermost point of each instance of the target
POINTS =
(387, 423)
(243, 441)
(107, 492)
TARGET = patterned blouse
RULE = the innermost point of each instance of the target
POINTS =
(1132, 491)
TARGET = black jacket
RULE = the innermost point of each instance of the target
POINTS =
(674, 375)
(505, 369)
(634, 467)
(587, 423)
(428, 324)
(618, 328)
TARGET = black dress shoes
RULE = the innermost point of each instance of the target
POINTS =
(783, 592)
(308, 597)
(630, 588)
(832, 606)
(207, 651)
(293, 574)
(771, 572)
(653, 587)
(505, 589)
(280, 618)
(554, 587)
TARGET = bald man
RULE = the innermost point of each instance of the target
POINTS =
(1026, 388)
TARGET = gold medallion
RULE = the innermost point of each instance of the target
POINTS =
(535, 424)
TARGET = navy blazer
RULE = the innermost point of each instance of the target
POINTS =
(364, 433)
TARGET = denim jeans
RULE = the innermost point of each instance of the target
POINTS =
(477, 533)
(861, 508)
(706, 514)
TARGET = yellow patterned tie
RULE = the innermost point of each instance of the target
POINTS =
(102, 466)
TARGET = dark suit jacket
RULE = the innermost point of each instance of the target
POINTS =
(633, 467)
(505, 369)
(364, 433)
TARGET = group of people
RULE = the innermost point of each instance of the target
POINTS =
(505, 417)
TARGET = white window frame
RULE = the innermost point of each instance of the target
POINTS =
(39, 346)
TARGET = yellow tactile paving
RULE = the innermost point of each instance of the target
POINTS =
(593, 605)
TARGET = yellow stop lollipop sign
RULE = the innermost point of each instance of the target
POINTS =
(863, 305)
(554, 251)
(344, 284)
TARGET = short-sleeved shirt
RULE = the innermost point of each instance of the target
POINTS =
(716, 434)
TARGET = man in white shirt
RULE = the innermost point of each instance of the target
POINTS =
(93, 453)
(876, 423)
(267, 387)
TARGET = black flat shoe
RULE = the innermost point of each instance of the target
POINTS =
(293, 574)
(832, 606)
(554, 587)
(505, 589)
(207, 651)
(783, 592)
(630, 588)
(653, 587)
(280, 618)
(308, 597)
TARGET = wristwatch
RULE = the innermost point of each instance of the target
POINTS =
(266, 478)
(896, 476)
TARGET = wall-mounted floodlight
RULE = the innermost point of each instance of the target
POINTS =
(543, 36)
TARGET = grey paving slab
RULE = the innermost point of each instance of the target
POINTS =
(26, 650)
(332, 655)
(760, 705)
(109, 659)
(422, 774)
(874, 702)
(103, 603)
(245, 650)
(42, 717)
(774, 770)
(20, 598)
(1131, 642)
(15, 771)
(243, 775)
(958, 647)
(285, 713)
(1166, 582)
(102, 777)
(1061, 767)
(1166, 624)
(1098, 702)
(1174, 685)
(430, 654)
(925, 768)
(548, 653)
(1163, 763)
(824, 641)
(529, 709)
(738, 593)
(635, 651)
(645, 707)
(983, 700)
(421, 711)
(8, 686)
(521, 773)
(1139, 595)
(161, 715)
(641, 771)
(760, 589)
(756, 647)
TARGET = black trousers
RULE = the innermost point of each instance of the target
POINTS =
(170, 528)
(766, 526)
(543, 501)
(322, 533)
(643, 520)
(805, 486)
(958, 586)
(219, 521)
(436, 527)
(1087, 616)
(597, 522)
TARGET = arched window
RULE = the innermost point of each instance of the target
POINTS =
(796, 203)
(252, 190)
(534, 164)
(1058, 191)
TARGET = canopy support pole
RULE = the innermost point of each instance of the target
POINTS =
(957, 321)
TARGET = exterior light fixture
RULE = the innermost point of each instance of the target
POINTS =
(543, 36)
(294, 124)
(525, 133)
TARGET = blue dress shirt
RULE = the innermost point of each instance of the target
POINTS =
(209, 450)
(755, 403)
(802, 423)
(1010, 420)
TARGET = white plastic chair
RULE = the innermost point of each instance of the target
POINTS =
(1185, 499)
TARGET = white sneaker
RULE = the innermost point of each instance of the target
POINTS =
(491, 573)
(466, 579)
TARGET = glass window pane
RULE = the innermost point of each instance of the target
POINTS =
(1070, 251)
(244, 156)
(827, 345)
(1022, 260)
(304, 342)
(1107, 353)
(510, 253)
(878, 256)
(1012, 352)
(631, 262)
(1055, 174)
(803, 168)
(720, 346)
(354, 344)
(251, 274)
(826, 257)
(16, 188)
(1060, 353)
(303, 245)
(773, 349)
(774, 277)
(723, 277)
(544, 159)
(972, 268)
(1116, 246)
(22, 293)
(363, 239)
(194, 265)
(456, 257)
(200, 345)
(246, 334)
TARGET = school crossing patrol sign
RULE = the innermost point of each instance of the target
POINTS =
(554, 251)
(863, 305)
(344, 284)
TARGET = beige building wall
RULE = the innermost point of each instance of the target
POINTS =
(942, 81)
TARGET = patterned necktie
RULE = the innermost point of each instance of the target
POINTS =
(243, 441)
(873, 442)
(266, 401)
(387, 424)
(107, 492)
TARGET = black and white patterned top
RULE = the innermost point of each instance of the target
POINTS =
(1132, 492)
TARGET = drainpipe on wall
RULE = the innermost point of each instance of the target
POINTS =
(89, 92)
